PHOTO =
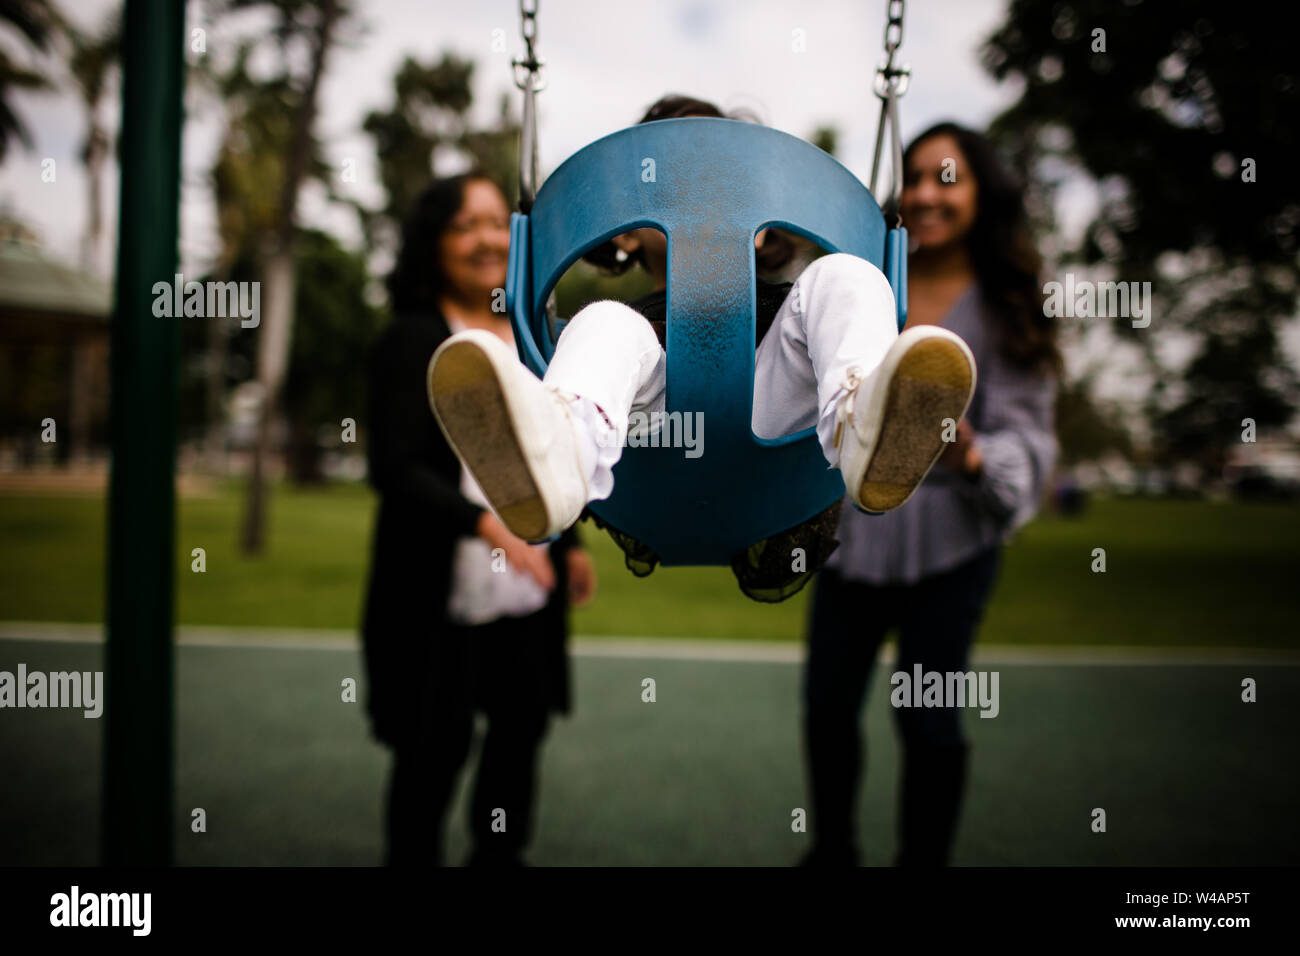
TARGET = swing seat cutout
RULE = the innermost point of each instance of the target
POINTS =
(715, 184)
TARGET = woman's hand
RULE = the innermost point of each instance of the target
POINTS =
(582, 577)
(962, 454)
(535, 562)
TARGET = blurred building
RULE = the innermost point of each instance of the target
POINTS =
(54, 344)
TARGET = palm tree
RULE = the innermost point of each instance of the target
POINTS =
(93, 59)
(39, 21)
(317, 25)
(244, 179)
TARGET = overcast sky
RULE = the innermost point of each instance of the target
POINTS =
(607, 61)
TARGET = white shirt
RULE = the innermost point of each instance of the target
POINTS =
(483, 586)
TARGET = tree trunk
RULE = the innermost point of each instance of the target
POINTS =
(96, 151)
(218, 348)
(276, 326)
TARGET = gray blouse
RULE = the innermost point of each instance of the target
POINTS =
(951, 517)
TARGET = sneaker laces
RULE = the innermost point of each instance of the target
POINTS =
(844, 411)
(581, 436)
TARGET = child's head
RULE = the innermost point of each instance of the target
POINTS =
(648, 247)
(675, 106)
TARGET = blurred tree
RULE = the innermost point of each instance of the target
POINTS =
(1237, 374)
(302, 35)
(496, 149)
(333, 324)
(39, 22)
(429, 116)
(1185, 116)
(583, 284)
(1088, 430)
(825, 138)
(93, 58)
(428, 111)
(326, 383)
(245, 178)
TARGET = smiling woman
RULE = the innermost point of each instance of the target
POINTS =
(461, 616)
(928, 567)
(473, 252)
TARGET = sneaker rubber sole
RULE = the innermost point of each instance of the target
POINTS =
(933, 381)
(473, 413)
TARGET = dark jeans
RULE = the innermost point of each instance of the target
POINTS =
(426, 768)
(936, 619)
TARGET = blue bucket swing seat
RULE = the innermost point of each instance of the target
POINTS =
(716, 183)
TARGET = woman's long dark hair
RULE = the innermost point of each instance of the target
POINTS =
(777, 248)
(1007, 266)
(416, 282)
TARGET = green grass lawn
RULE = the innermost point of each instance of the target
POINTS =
(1178, 573)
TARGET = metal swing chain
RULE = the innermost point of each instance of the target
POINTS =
(890, 84)
(529, 78)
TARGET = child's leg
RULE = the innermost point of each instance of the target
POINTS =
(882, 402)
(608, 357)
(541, 450)
(840, 316)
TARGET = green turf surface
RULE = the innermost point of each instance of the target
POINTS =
(708, 774)
(1178, 573)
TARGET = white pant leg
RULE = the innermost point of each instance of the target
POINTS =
(609, 356)
(840, 315)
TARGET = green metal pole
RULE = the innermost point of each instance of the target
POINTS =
(138, 737)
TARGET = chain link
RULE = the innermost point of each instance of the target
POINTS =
(890, 84)
(528, 23)
(529, 78)
(528, 70)
(894, 27)
(888, 74)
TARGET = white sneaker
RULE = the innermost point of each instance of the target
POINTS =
(889, 428)
(514, 434)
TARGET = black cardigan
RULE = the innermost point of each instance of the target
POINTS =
(416, 658)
